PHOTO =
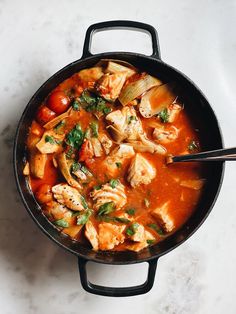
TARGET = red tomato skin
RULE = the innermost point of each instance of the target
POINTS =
(58, 102)
(44, 115)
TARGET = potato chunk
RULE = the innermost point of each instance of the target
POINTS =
(110, 235)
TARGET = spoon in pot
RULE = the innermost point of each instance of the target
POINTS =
(213, 155)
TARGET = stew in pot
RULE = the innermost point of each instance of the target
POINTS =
(97, 152)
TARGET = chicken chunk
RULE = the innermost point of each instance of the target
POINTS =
(50, 142)
(37, 163)
(110, 85)
(164, 136)
(118, 156)
(139, 235)
(110, 235)
(163, 217)
(68, 196)
(91, 234)
(56, 210)
(146, 145)
(91, 74)
(124, 124)
(107, 193)
(173, 111)
(138, 246)
(106, 142)
(97, 147)
(141, 171)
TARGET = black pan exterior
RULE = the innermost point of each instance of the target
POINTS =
(195, 103)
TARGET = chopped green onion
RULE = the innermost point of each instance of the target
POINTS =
(94, 127)
(164, 115)
(82, 218)
(131, 118)
(84, 203)
(118, 164)
(130, 211)
(76, 105)
(114, 183)
(49, 139)
(132, 229)
(106, 208)
(150, 242)
(156, 228)
(61, 223)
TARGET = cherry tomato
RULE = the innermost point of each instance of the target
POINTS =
(44, 194)
(58, 102)
(44, 115)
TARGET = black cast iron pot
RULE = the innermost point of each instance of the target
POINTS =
(196, 105)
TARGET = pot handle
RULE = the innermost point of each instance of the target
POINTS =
(115, 291)
(121, 24)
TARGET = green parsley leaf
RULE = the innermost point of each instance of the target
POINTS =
(84, 203)
(106, 208)
(130, 211)
(118, 164)
(61, 223)
(132, 229)
(49, 139)
(94, 103)
(82, 218)
(97, 187)
(75, 137)
(131, 118)
(114, 183)
(150, 242)
(164, 115)
(94, 127)
(75, 166)
(75, 105)
(156, 228)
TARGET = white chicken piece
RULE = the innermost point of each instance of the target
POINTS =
(50, 142)
(124, 124)
(110, 235)
(118, 156)
(138, 246)
(165, 136)
(146, 145)
(110, 85)
(173, 111)
(91, 234)
(141, 171)
(106, 142)
(163, 217)
(68, 196)
(37, 163)
(107, 194)
(56, 210)
(97, 147)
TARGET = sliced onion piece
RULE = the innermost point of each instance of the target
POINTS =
(113, 67)
(137, 88)
(156, 99)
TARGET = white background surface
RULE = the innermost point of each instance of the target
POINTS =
(37, 38)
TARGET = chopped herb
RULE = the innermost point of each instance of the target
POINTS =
(118, 164)
(82, 218)
(61, 223)
(146, 202)
(106, 208)
(75, 105)
(97, 187)
(94, 127)
(75, 166)
(87, 133)
(122, 220)
(69, 152)
(131, 118)
(84, 170)
(150, 242)
(156, 228)
(114, 183)
(132, 229)
(193, 145)
(164, 115)
(94, 103)
(130, 211)
(75, 137)
(114, 219)
(49, 139)
(59, 125)
(84, 203)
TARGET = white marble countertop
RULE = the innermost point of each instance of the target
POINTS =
(36, 39)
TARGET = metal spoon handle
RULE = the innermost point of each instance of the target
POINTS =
(214, 155)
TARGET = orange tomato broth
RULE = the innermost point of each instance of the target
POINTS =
(164, 187)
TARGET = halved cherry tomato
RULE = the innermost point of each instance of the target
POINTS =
(86, 151)
(44, 115)
(58, 102)
(36, 129)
